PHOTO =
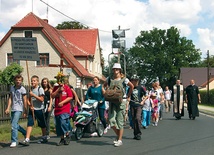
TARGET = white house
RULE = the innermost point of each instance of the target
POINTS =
(78, 50)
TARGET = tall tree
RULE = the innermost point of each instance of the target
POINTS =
(71, 25)
(161, 53)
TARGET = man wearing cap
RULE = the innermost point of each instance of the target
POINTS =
(136, 105)
(117, 111)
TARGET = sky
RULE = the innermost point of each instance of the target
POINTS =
(193, 18)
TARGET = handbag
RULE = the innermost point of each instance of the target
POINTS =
(114, 95)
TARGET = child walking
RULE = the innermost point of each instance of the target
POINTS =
(146, 112)
(17, 101)
(155, 113)
(36, 110)
(63, 95)
(48, 103)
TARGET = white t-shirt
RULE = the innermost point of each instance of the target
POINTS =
(17, 98)
(167, 94)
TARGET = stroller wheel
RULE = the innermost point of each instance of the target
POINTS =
(78, 133)
(100, 130)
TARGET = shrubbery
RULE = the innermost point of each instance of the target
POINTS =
(204, 97)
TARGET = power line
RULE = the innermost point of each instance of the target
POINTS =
(71, 17)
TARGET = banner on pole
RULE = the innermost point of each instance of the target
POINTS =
(25, 48)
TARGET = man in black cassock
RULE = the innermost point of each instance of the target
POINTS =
(192, 98)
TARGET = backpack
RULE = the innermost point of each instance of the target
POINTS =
(115, 91)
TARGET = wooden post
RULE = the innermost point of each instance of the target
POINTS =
(29, 95)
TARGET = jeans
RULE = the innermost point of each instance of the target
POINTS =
(136, 118)
(101, 116)
(146, 118)
(63, 125)
(15, 127)
(130, 119)
(161, 107)
(47, 119)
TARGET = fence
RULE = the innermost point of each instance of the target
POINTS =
(4, 95)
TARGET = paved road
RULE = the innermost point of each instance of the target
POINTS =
(177, 137)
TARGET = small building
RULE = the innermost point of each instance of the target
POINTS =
(77, 49)
(197, 74)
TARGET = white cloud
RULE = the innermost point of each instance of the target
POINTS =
(106, 15)
(206, 41)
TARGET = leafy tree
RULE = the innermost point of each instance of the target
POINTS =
(7, 75)
(161, 53)
(204, 63)
(71, 25)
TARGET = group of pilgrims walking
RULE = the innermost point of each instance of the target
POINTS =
(144, 108)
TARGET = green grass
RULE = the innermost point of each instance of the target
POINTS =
(5, 131)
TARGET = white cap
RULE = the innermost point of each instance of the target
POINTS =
(116, 65)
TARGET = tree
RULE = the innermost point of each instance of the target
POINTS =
(204, 63)
(7, 75)
(161, 53)
(71, 25)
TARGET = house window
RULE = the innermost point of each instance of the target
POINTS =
(28, 34)
(90, 66)
(44, 60)
(10, 59)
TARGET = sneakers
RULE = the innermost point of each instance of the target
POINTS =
(105, 131)
(108, 127)
(145, 127)
(43, 140)
(94, 134)
(61, 142)
(13, 144)
(155, 124)
(115, 141)
(119, 143)
(48, 137)
(67, 140)
(25, 143)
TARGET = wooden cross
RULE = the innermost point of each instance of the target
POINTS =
(61, 65)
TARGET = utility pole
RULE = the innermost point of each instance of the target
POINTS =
(119, 51)
(208, 77)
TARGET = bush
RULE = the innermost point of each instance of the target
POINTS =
(7, 75)
(204, 97)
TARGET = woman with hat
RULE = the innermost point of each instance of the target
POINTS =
(117, 111)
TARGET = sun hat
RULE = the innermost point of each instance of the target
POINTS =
(117, 66)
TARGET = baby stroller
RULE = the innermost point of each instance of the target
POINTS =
(87, 120)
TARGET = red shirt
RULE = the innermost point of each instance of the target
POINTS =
(66, 108)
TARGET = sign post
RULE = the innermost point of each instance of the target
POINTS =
(25, 49)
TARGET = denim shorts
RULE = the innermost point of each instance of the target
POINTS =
(39, 116)
(63, 125)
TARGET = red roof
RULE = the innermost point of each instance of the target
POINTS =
(84, 38)
(59, 39)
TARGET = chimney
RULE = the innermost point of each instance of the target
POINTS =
(45, 20)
